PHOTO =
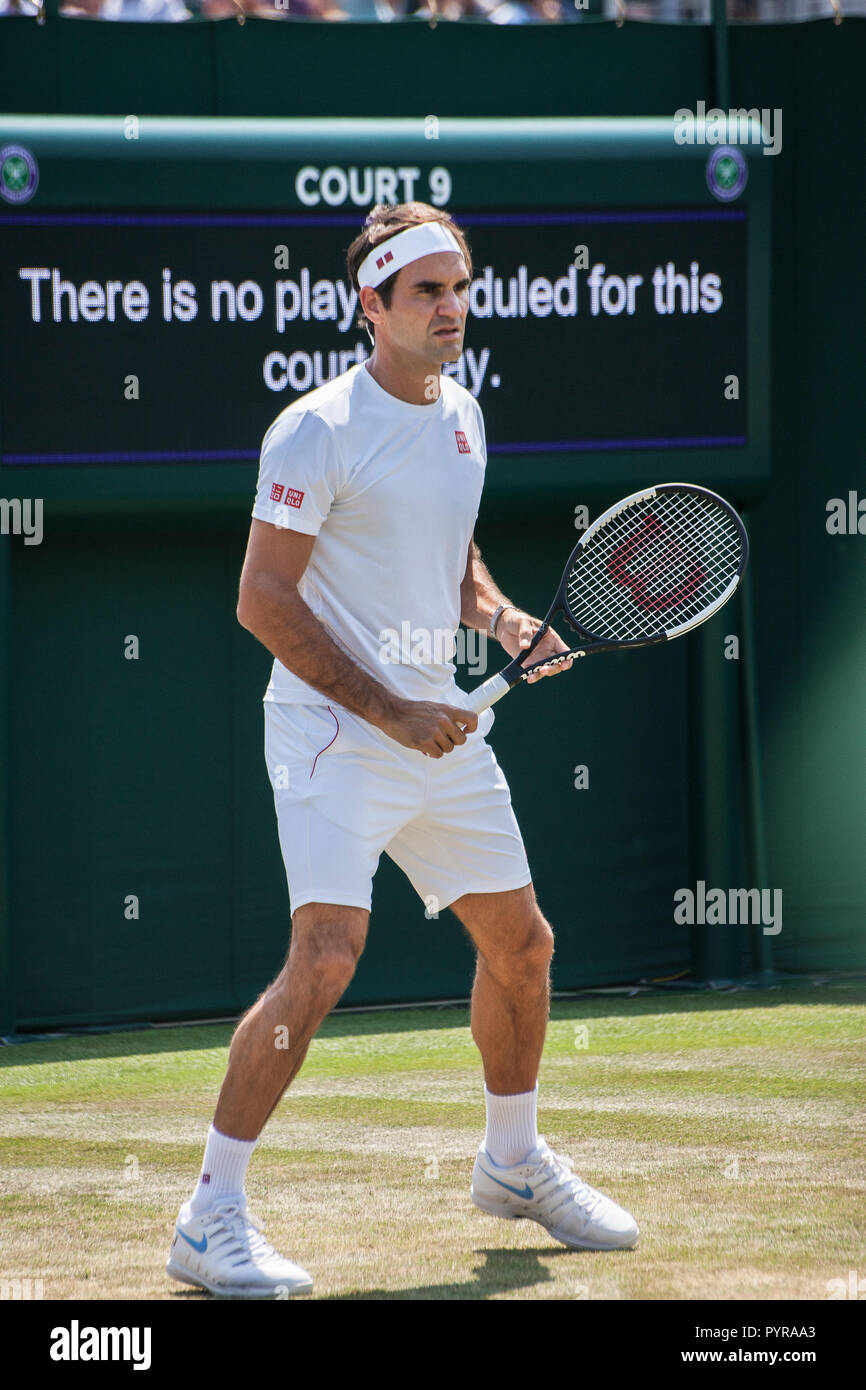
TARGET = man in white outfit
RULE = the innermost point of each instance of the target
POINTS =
(368, 493)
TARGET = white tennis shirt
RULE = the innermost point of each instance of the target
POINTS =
(391, 491)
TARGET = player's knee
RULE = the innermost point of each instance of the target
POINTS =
(329, 951)
(336, 968)
(538, 946)
(528, 955)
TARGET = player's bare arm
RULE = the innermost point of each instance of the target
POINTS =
(270, 607)
(480, 597)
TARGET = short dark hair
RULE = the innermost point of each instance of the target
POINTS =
(383, 221)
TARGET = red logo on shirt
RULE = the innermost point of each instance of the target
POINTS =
(383, 260)
(277, 492)
(462, 442)
(293, 497)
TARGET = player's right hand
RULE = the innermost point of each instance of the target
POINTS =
(430, 728)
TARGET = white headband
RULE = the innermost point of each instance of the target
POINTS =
(403, 248)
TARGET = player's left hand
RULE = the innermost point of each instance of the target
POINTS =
(515, 632)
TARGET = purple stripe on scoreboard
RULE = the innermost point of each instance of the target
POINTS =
(289, 219)
(697, 441)
(686, 441)
(180, 219)
(550, 219)
(137, 456)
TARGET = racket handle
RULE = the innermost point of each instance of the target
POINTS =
(487, 694)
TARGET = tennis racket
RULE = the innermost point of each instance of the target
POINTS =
(651, 568)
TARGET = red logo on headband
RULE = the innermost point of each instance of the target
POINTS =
(388, 256)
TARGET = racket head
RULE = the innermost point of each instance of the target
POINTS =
(654, 566)
(665, 578)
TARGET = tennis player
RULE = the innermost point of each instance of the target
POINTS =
(367, 497)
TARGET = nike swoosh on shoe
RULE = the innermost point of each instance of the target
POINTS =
(525, 1191)
(199, 1245)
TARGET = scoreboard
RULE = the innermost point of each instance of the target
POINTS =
(168, 286)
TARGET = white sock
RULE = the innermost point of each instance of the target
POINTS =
(223, 1169)
(512, 1127)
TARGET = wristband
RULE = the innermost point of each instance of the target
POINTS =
(496, 615)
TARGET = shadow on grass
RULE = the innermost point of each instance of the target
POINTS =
(501, 1271)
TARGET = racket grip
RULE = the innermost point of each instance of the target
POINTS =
(487, 694)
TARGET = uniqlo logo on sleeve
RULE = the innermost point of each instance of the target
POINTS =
(462, 442)
(277, 492)
(293, 498)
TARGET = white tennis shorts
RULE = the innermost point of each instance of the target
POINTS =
(344, 792)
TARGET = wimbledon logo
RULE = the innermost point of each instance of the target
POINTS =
(727, 173)
(19, 174)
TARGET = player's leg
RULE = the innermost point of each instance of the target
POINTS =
(511, 994)
(516, 1174)
(337, 805)
(466, 852)
(216, 1245)
(321, 793)
(272, 1038)
(509, 1012)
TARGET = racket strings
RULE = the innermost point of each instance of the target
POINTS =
(654, 565)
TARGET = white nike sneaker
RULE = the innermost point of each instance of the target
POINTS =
(223, 1250)
(544, 1189)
